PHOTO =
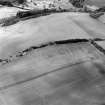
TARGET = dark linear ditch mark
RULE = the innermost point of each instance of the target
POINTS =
(26, 51)
(101, 70)
(41, 75)
(54, 43)
(98, 46)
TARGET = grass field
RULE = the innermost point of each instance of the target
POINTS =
(99, 3)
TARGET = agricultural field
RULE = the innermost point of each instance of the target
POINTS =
(52, 59)
(98, 3)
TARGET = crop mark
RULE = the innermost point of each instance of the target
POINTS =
(61, 42)
(42, 75)
(26, 51)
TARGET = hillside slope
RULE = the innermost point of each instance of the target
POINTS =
(53, 60)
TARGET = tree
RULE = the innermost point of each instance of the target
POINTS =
(21, 1)
(77, 3)
(12, 1)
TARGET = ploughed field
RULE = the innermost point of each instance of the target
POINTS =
(57, 59)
